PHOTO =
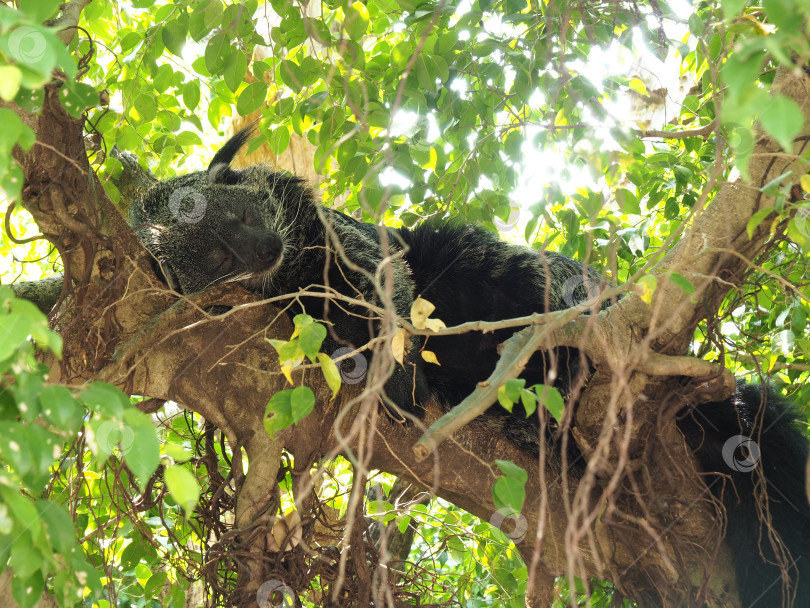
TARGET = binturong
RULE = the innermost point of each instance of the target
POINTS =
(264, 231)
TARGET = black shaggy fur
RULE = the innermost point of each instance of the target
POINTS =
(471, 275)
(262, 230)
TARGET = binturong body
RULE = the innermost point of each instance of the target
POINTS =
(264, 231)
(261, 230)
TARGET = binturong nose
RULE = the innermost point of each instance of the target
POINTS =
(268, 248)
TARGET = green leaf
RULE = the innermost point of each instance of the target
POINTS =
(278, 414)
(509, 492)
(27, 584)
(783, 119)
(14, 330)
(288, 407)
(401, 54)
(132, 554)
(402, 523)
(524, 87)
(509, 392)
(183, 486)
(330, 372)
(37, 52)
(39, 10)
(30, 101)
(163, 77)
(105, 399)
(205, 16)
(23, 510)
(696, 25)
(551, 399)
(76, 97)
(291, 75)
(423, 74)
(628, 202)
(510, 469)
(156, 582)
(191, 94)
(798, 319)
(61, 409)
(215, 51)
(252, 98)
(682, 282)
(732, 8)
(756, 220)
(130, 40)
(146, 106)
(529, 401)
(142, 451)
(783, 14)
(59, 526)
(783, 342)
(804, 344)
(279, 140)
(177, 453)
(302, 401)
(310, 338)
(235, 69)
(174, 34)
(290, 351)
(188, 138)
(356, 22)
(741, 71)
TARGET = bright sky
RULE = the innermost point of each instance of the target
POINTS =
(541, 166)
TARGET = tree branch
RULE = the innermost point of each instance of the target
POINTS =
(68, 19)
(515, 355)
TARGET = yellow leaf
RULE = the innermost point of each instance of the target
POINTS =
(287, 368)
(398, 345)
(638, 86)
(430, 357)
(331, 373)
(646, 287)
(10, 79)
(805, 181)
(774, 224)
(431, 164)
(287, 371)
(434, 324)
(420, 310)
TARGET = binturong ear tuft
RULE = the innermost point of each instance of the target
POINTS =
(219, 171)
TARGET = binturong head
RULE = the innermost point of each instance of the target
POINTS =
(220, 225)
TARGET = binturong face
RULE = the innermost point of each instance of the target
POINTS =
(216, 234)
(219, 225)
